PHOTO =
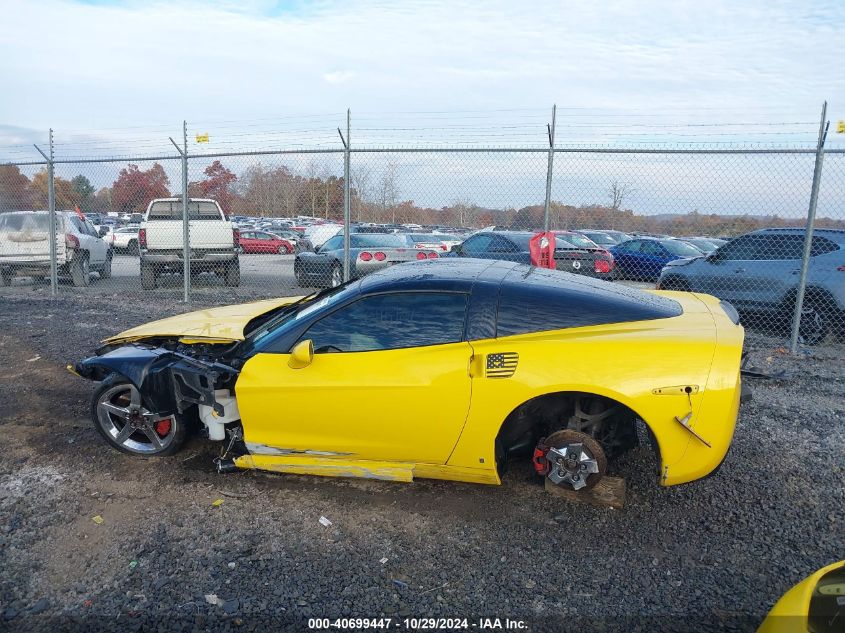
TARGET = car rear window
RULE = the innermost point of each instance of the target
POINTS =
(24, 222)
(681, 249)
(539, 300)
(172, 210)
(378, 240)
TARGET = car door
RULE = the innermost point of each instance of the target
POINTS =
(245, 241)
(767, 279)
(389, 381)
(723, 273)
(626, 257)
(652, 257)
(89, 241)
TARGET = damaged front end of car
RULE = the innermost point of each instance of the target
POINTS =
(146, 382)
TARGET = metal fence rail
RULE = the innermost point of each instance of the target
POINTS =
(789, 283)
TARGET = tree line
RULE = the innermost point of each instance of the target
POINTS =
(280, 192)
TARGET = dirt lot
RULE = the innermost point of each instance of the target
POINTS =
(711, 555)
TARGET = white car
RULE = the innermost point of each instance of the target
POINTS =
(319, 234)
(25, 247)
(125, 239)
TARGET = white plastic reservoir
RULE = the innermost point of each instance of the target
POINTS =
(214, 422)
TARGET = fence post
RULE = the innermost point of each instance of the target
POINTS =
(186, 227)
(551, 160)
(808, 236)
(51, 211)
(347, 203)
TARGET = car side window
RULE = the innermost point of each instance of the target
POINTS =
(391, 321)
(477, 244)
(247, 235)
(652, 248)
(822, 246)
(780, 247)
(501, 244)
(630, 247)
(332, 244)
(742, 248)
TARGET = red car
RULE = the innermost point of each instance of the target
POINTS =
(263, 242)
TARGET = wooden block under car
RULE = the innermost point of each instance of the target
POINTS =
(609, 492)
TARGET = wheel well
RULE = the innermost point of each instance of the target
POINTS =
(611, 423)
(823, 296)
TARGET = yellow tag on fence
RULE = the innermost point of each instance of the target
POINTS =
(840, 127)
(202, 138)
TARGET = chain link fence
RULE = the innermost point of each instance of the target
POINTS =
(730, 221)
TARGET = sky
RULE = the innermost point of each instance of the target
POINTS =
(114, 74)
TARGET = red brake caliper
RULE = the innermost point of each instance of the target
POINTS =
(163, 427)
(541, 464)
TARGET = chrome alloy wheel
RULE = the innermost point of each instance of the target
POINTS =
(130, 425)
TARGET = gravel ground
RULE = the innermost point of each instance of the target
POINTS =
(712, 555)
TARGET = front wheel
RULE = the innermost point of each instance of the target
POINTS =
(127, 424)
(5, 277)
(132, 248)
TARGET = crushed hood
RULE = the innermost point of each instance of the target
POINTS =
(215, 325)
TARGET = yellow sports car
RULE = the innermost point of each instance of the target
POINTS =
(440, 369)
(814, 605)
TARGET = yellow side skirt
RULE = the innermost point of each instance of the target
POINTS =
(368, 469)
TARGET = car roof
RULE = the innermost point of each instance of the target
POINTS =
(834, 234)
(452, 274)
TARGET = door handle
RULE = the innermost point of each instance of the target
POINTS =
(739, 270)
(797, 271)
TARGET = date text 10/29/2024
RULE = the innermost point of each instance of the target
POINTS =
(417, 624)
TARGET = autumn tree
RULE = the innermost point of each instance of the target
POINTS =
(66, 196)
(15, 189)
(84, 191)
(134, 188)
(219, 184)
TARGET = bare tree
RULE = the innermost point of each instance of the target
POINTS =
(360, 178)
(618, 191)
(388, 189)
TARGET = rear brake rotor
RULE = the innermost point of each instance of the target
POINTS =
(575, 460)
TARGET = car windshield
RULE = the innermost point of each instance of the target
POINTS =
(378, 240)
(601, 238)
(573, 240)
(681, 249)
(302, 308)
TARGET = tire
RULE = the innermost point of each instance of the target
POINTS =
(117, 392)
(5, 277)
(336, 277)
(105, 273)
(567, 436)
(148, 277)
(132, 247)
(815, 326)
(232, 276)
(80, 270)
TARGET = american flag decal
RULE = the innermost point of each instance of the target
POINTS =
(502, 364)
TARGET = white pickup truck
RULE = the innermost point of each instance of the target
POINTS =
(212, 240)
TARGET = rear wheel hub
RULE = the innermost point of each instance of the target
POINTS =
(573, 459)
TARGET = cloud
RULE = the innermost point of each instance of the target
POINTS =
(339, 76)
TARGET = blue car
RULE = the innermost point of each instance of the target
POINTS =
(642, 259)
